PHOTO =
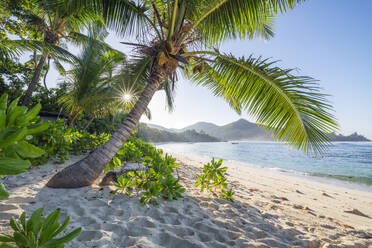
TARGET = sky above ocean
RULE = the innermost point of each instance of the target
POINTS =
(329, 40)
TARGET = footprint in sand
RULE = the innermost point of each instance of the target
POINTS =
(183, 231)
(89, 235)
(143, 221)
(6, 207)
(167, 239)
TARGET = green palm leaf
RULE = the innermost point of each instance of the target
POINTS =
(125, 17)
(218, 20)
(289, 107)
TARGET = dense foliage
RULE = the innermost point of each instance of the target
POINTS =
(59, 140)
(213, 177)
(17, 125)
(155, 179)
(38, 231)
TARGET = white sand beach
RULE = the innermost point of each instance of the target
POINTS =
(270, 210)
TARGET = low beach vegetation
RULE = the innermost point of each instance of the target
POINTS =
(213, 179)
(17, 125)
(38, 231)
(155, 178)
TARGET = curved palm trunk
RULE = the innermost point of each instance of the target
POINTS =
(34, 80)
(86, 171)
(46, 74)
(89, 122)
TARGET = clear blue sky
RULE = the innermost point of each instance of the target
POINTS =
(329, 40)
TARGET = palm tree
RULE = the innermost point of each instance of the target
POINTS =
(180, 36)
(52, 25)
(90, 90)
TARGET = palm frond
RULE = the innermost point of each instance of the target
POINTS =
(289, 107)
(169, 89)
(60, 68)
(14, 48)
(125, 17)
(218, 20)
(89, 80)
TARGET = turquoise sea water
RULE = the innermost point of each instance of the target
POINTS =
(347, 161)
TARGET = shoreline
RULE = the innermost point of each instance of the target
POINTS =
(336, 180)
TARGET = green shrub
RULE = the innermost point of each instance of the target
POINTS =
(83, 141)
(212, 178)
(54, 142)
(123, 184)
(38, 231)
(171, 189)
(59, 140)
(17, 125)
(156, 180)
(152, 192)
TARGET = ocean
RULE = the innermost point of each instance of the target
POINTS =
(344, 161)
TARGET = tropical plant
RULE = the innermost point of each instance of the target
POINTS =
(38, 231)
(153, 192)
(90, 90)
(123, 185)
(17, 125)
(50, 26)
(59, 140)
(154, 178)
(213, 177)
(180, 36)
(171, 189)
(83, 141)
(227, 195)
(54, 142)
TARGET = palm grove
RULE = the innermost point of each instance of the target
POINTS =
(169, 40)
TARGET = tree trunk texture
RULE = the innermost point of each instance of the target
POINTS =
(86, 171)
(35, 78)
(89, 122)
(46, 74)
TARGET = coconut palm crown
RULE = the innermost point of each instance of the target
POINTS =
(52, 26)
(170, 37)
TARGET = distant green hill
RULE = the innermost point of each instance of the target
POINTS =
(352, 138)
(160, 134)
(237, 130)
(241, 129)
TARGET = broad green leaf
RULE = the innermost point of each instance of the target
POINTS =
(3, 101)
(12, 116)
(12, 166)
(55, 242)
(2, 119)
(21, 239)
(4, 194)
(30, 115)
(12, 106)
(27, 150)
(13, 137)
(37, 128)
(6, 238)
(50, 225)
(14, 224)
(22, 218)
(10, 152)
(35, 222)
(62, 227)
(7, 245)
